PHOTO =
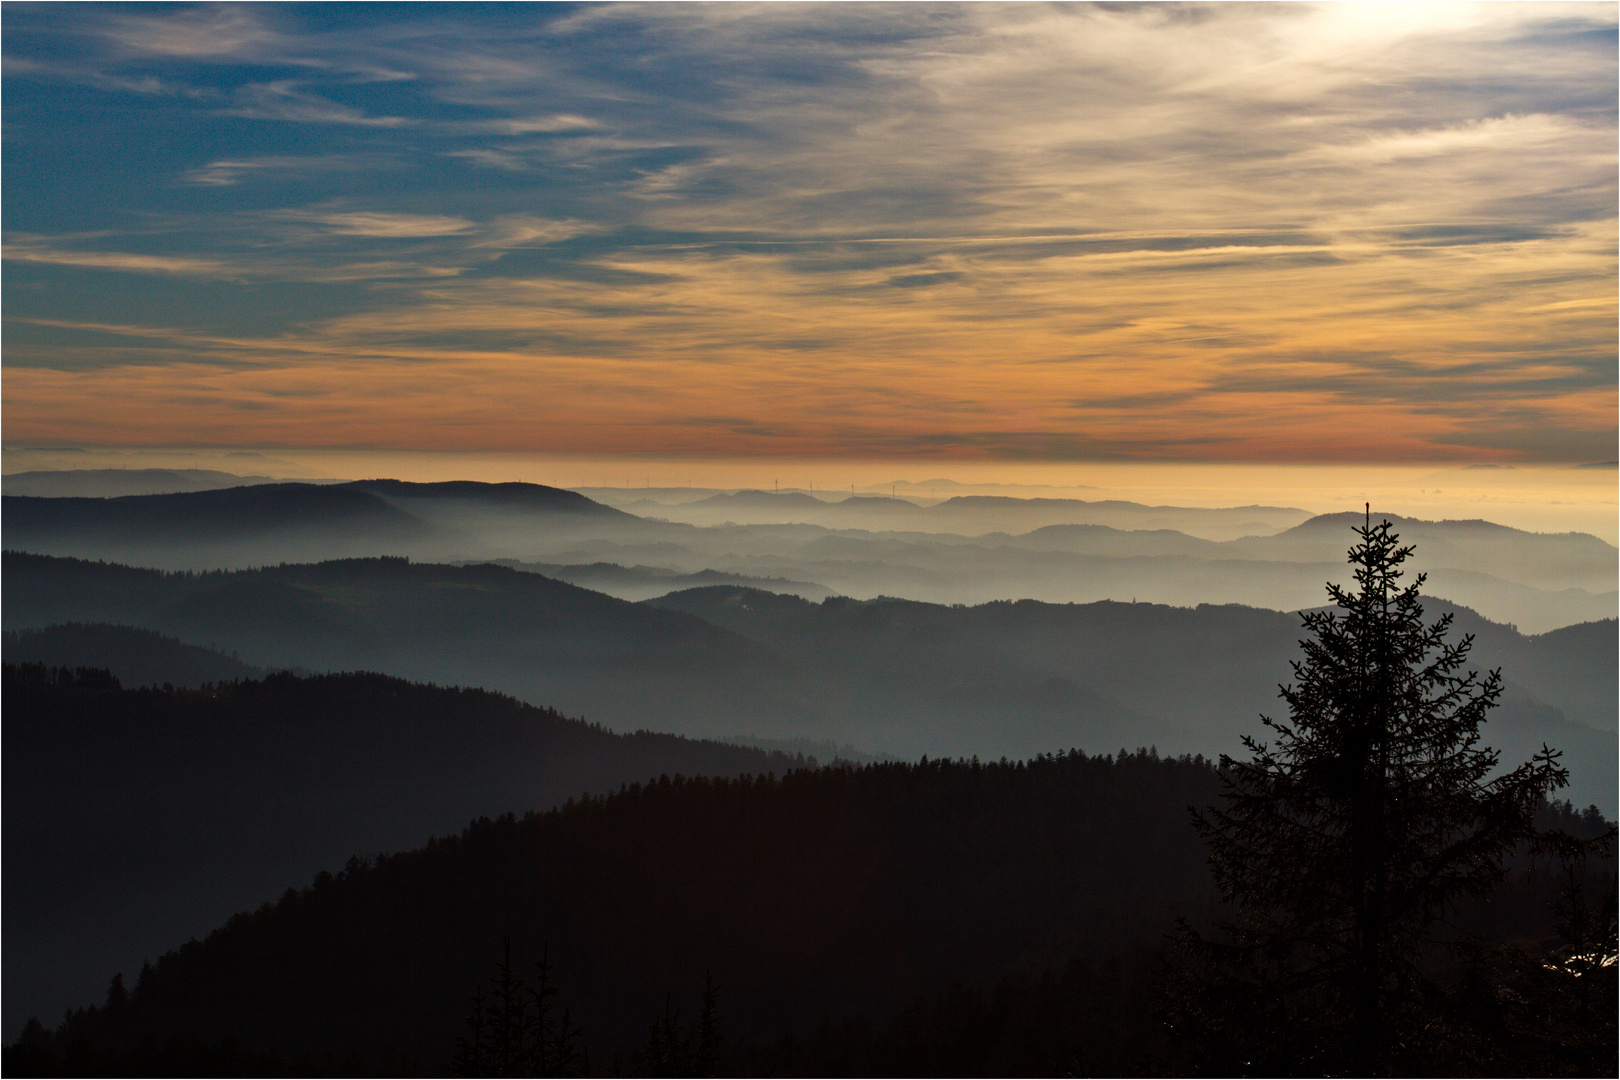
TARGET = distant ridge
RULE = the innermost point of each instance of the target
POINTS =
(215, 512)
(109, 483)
(1341, 520)
(966, 515)
(1047, 500)
(751, 497)
(646, 582)
(508, 495)
(1542, 560)
(274, 522)
(889, 675)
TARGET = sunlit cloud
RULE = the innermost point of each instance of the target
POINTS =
(1336, 232)
(288, 101)
(212, 32)
(385, 224)
(227, 172)
(115, 260)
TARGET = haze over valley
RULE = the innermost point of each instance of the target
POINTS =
(964, 549)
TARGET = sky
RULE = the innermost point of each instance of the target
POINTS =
(1014, 235)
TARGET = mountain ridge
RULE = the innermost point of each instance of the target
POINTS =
(896, 677)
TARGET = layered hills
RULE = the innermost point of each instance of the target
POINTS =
(525, 634)
(887, 676)
(1052, 549)
(963, 514)
(135, 819)
(132, 656)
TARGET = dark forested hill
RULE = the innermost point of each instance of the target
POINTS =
(134, 819)
(134, 657)
(821, 902)
(816, 894)
(1580, 661)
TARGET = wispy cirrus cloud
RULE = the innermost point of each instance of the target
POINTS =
(281, 269)
(382, 224)
(287, 100)
(227, 172)
(1240, 230)
(23, 251)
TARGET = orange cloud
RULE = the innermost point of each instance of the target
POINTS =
(1237, 233)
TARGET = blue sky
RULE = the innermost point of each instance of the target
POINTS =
(1229, 232)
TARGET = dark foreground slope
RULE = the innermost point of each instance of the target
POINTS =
(822, 903)
(134, 819)
(816, 894)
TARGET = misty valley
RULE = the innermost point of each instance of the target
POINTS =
(392, 778)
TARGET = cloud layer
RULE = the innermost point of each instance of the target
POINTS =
(1231, 232)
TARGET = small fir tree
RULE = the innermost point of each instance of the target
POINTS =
(1346, 839)
(709, 1038)
(513, 1031)
(674, 1051)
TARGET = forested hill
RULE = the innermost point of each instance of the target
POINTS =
(1190, 678)
(135, 819)
(834, 908)
(821, 893)
(545, 640)
(135, 657)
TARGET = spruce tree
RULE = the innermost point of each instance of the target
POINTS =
(1346, 840)
(513, 1031)
(672, 1051)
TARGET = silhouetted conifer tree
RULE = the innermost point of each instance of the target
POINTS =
(710, 1039)
(1344, 841)
(557, 1049)
(666, 1049)
(473, 1051)
(673, 1051)
(513, 1032)
(117, 995)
